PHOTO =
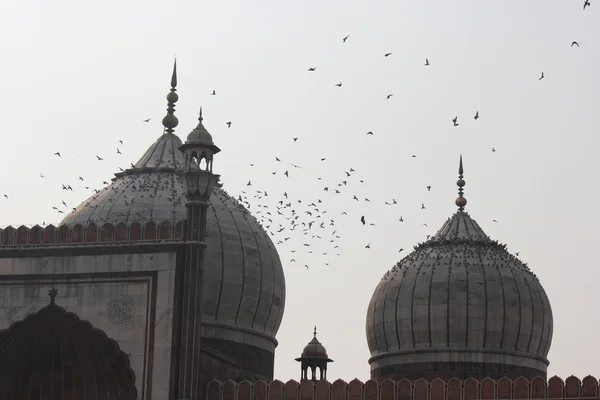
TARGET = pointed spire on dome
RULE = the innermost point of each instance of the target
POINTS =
(315, 332)
(461, 202)
(170, 121)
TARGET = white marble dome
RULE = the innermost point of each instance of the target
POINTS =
(459, 306)
(244, 284)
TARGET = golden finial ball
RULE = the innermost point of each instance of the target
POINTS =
(461, 202)
(460, 183)
(170, 121)
(172, 97)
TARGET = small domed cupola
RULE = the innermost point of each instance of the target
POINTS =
(314, 356)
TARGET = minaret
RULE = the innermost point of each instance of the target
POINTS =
(314, 356)
(461, 202)
(199, 182)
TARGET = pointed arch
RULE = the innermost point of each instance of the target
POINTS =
(55, 353)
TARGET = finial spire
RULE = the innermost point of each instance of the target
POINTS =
(52, 293)
(200, 115)
(461, 202)
(170, 121)
(315, 332)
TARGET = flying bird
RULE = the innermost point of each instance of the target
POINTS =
(455, 121)
(368, 246)
(387, 54)
(369, 133)
(312, 68)
(574, 43)
(41, 176)
(429, 188)
(493, 150)
(476, 117)
(346, 38)
(99, 158)
(586, 4)
(119, 151)
(426, 62)
(295, 139)
(228, 123)
(389, 95)
(147, 120)
(541, 77)
(214, 93)
(338, 84)
(58, 154)
(422, 206)
(362, 219)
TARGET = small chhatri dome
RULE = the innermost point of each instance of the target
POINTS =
(200, 136)
(54, 354)
(314, 348)
(459, 306)
(314, 356)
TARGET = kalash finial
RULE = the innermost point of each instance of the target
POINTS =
(315, 332)
(170, 121)
(461, 202)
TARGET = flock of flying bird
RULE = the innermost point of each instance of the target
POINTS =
(310, 217)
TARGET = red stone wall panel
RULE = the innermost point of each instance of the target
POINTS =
(292, 390)
(339, 390)
(488, 389)
(371, 390)
(555, 388)
(91, 234)
(276, 390)
(437, 390)
(471, 389)
(36, 236)
(572, 387)
(229, 390)
(521, 388)
(49, 234)
(77, 234)
(307, 390)
(505, 389)
(260, 390)
(404, 390)
(421, 390)
(453, 390)
(121, 232)
(387, 390)
(150, 231)
(107, 233)
(164, 231)
(323, 391)
(213, 390)
(178, 230)
(9, 235)
(355, 390)
(64, 234)
(538, 388)
(22, 234)
(244, 390)
(135, 231)
(589, 387)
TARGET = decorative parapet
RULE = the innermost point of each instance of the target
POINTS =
(454, 389)
(79, 234)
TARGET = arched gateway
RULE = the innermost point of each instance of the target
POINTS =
(54, 355)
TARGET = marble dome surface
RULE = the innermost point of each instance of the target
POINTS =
(244, 284)
(459, 297)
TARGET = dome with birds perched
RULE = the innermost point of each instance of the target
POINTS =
(244, 284)
(459, 306)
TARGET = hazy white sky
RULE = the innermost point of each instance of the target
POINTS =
(76, 77)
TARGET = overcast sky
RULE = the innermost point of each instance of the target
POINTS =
(77, 77)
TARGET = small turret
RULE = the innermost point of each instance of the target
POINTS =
(314, 356)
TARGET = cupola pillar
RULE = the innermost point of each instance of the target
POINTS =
(199, 181)
(314, 356)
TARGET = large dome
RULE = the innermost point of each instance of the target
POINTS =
(244, 285)
(459, 306)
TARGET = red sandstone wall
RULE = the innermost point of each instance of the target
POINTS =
(37, 235)
(470, 389)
